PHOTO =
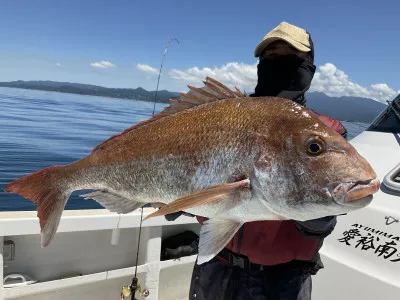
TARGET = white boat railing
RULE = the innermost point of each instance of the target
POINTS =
(99, 246)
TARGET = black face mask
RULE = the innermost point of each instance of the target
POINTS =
(287, 76)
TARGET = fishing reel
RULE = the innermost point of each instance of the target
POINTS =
(130, 290)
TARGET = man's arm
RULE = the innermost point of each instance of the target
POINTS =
(317, 228)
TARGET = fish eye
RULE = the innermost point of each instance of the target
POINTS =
(315, 146)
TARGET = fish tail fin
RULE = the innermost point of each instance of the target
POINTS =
(44, 188)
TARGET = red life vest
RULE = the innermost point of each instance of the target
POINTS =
(275, 242)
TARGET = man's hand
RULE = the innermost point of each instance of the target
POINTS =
(317, 228)
(174, 216)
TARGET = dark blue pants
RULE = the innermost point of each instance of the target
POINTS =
(217, 280)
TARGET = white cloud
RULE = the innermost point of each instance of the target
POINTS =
(147, 69)
(334, 82)
(102, 64)
(244, 76)
(58, 64)
(328, 79)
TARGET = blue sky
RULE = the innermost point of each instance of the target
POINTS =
(357, 44)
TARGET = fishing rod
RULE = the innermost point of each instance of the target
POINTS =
(130, 290)
(159, 73)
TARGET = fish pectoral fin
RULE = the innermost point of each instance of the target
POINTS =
(113, 202)
(216, 193)
(215, 234)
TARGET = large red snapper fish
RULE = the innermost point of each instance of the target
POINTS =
(216, 153)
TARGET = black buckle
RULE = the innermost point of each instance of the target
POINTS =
(238, 261)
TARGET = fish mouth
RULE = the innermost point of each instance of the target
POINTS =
(353, 193)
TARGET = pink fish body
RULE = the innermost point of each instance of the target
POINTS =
(216, 153)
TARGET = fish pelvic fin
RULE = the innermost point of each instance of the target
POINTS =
(215, 234)
(216, 193)
(45, 188)
(114, 202)
(212, 91)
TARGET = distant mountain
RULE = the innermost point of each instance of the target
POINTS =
(93, 90)
(353, 109)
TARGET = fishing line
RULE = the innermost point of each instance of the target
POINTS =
(138, 244)
(159, 73)
(131, 289)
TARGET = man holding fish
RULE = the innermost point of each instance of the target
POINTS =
(272, 259)
(238, 161)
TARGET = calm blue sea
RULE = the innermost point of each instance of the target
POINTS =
(39, 129)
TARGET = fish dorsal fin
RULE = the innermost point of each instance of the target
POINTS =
(212, 91)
